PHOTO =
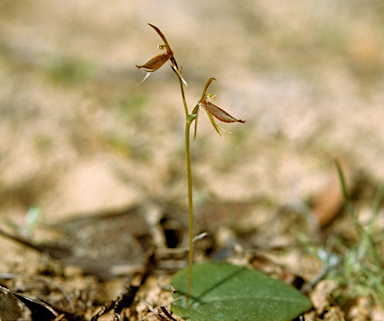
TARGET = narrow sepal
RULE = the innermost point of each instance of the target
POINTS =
(167, 46)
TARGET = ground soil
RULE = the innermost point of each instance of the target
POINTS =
(92, 169)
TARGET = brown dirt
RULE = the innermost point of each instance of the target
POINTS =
(102, 158)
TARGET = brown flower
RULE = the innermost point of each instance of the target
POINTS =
(156, 62)
(212, 110)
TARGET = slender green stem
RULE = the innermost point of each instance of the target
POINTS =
(189, 119)
(190, 206)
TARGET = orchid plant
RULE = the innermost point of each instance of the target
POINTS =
(214, 112)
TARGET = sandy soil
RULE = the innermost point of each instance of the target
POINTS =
(79, 136)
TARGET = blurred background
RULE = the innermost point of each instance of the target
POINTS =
(78, 133)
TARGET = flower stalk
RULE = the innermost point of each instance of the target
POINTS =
(189, 118)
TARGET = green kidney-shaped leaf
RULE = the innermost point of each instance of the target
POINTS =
(226, 292)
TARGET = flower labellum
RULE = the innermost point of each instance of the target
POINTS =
(155, 63)
(219, 113)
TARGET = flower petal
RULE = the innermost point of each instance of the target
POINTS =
(197, 116)
(146, 76)
(175, 68)
(215, 125)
